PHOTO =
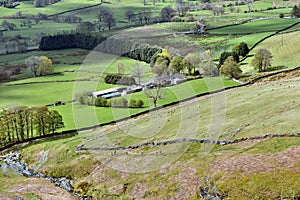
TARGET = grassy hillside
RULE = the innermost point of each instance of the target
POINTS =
(256, 26)
(257, 163)
(283, 49)
(237, 116)
(264, 168)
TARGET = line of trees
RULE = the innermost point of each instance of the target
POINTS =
(121, 47)
(18, 123)
(70, 40)
(119, 102)
(13, 46)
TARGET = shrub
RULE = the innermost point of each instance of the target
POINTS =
(119, 79)
(176, 19)
(101, 102)
(119, 103)
(191, 19)
(139, 103)
(132, 103)
(281, 15)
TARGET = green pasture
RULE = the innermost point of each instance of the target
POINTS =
(74, 64)
(232, 18)
(46, 27)
(265, 25)
(65, 56)
(90, 115)
(28, 8)
(40, 94)
(218, 44)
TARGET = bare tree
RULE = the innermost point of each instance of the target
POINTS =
(250, 4)
(121, 67)
(157, 92)
(33, 64)
(109, 21)
(129, 14)
(138, 71)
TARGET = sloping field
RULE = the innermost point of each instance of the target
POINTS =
(28, 8)
(264, 25)
(255, 169)
(284, 49)
(265, 108)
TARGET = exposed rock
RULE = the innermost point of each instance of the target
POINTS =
(139, 190)
(116, 190)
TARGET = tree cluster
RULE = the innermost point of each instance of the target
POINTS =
(18, 123)
(241, 49)
(70, 40)
(43, 3)
(13, 45)
(295, 12)
(225, 55)
(7, 25)
(230, 68)
(86, 27)
(119, 79)
(218, 11)
(8, 71)
(164, 62)
(124, 103)
(106, 19)
(134, 50)
(167, 13)
(71, 19)
(262, 60)
(143, 16)
(39, 66)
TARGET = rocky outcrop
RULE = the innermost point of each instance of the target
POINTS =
(12, 162)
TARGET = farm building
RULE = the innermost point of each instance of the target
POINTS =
(108, 93)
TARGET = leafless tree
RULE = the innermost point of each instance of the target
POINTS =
(138, 72)
(157, 92)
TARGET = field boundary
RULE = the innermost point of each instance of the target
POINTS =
(186, 140)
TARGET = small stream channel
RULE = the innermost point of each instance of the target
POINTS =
(11, 162)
